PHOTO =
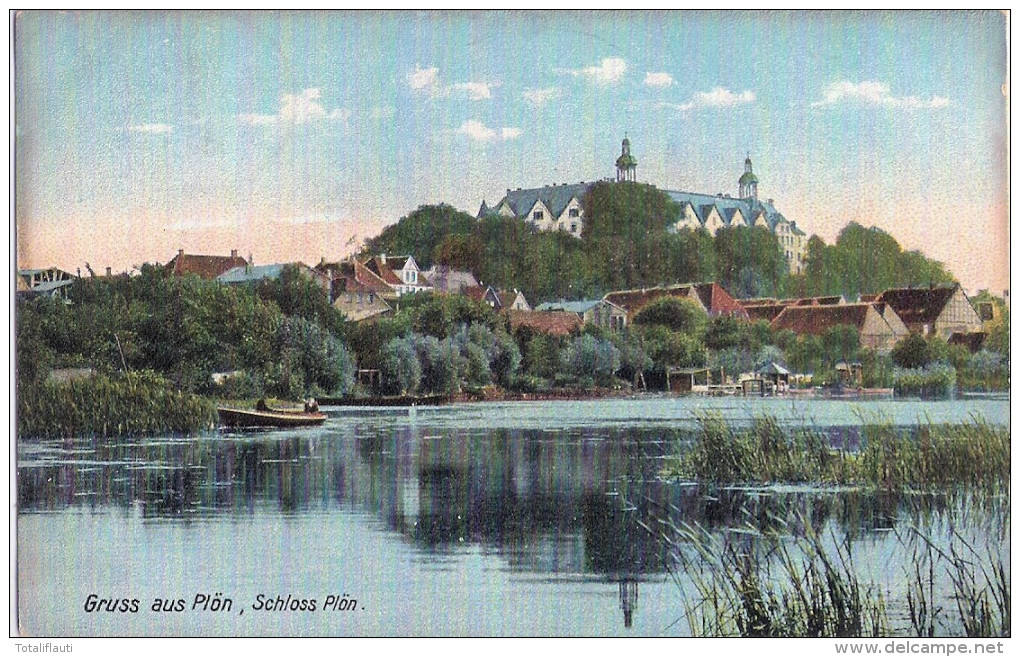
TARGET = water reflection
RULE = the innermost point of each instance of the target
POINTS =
(580, 501)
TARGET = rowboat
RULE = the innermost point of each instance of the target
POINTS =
(238, 417)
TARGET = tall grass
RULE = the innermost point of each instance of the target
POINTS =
(104, 406)
(766, 585)
(930, 457)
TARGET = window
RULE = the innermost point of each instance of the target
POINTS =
(360, 298)
(573, 228)
(574, 213)
(538, 215)
(371, 297)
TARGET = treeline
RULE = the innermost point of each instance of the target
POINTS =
(279, 338)
(627, 243)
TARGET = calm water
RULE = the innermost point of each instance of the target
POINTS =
(497, 519)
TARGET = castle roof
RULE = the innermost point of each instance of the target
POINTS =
(554, 197)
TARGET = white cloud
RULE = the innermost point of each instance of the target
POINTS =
(543, 96)
(478, 131)
(609, 71)
(718, 97)
(475, 90)
(297, 109)
(151, 128)
(658, 79)
(423, 77)
(427, 80)
(872, 92)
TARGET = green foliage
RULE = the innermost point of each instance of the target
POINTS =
(297, 295)
(441, 315)
(936, 380)
(668, 348)
(590, 358)
(421, 232)
(400, 367)
(724, 332)
(464, 252)
(681, 315)
(542, 356)
(841, 344)
(866, 261)
(912, 352)
(320, 361)
(102, 406)
(750, 261)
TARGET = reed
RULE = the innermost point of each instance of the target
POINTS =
(103, 406)
(927, 457)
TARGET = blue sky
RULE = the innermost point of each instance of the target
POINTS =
(294, 136)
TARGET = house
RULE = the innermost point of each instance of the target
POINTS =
(711, 297)
(765, 311)
(877, 324)
(941, 311)
(401, 273)
(251, 274)
(599, 312)
(448, 280)
(513, 300)
(358, 301)
(553, 207)
(483, 294)
(556, 323)
(204, 266)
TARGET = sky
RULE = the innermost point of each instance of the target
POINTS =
(295, 136)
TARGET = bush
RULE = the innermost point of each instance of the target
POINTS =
(912, 352)
(935, 380)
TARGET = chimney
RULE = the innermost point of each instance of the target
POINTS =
(109, 271)
(233, 253)
(382, 258)
(180, 252)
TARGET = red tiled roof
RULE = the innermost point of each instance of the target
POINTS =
(383, 270)
(816, 320)
(768, 312)
(553, 322)
(717, 300)
(869, 298)
(919, 305)
(204, 266)
(474, 292)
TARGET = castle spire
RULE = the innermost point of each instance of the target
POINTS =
(748, 182)
(626, 164)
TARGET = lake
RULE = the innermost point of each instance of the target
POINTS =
(520, 519)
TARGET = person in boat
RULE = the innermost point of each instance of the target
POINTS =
(261, 405)
(311, 406)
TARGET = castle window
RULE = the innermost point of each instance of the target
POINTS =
(574, 213)
(538, 215)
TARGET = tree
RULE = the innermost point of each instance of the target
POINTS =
(589, 357)
(421, 231)
(841, 343)
(680, 315)
(724, 332)
(749, 261)
(400, 367)
(912, 352)
(464, 252)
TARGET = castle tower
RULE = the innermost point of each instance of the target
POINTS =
(626, 164)
(748, 181)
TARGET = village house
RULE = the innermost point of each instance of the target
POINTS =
(356, 291)
(559, 207)
(513, 300)
(401, 273)
(598, 312)
(710, 297)
(251, 274)
(939, 311)
(766, 308)
(556, 323)
(877, 324)
(204, 266)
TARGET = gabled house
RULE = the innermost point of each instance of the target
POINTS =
(483, 294)
(877, 324)
(711, 297)
(513, 300)
(553, 207)
(204, 266)
(401, 273)
(598, 312)
(358, 301)
(941, 311)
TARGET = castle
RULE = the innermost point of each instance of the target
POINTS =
(558, 207)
